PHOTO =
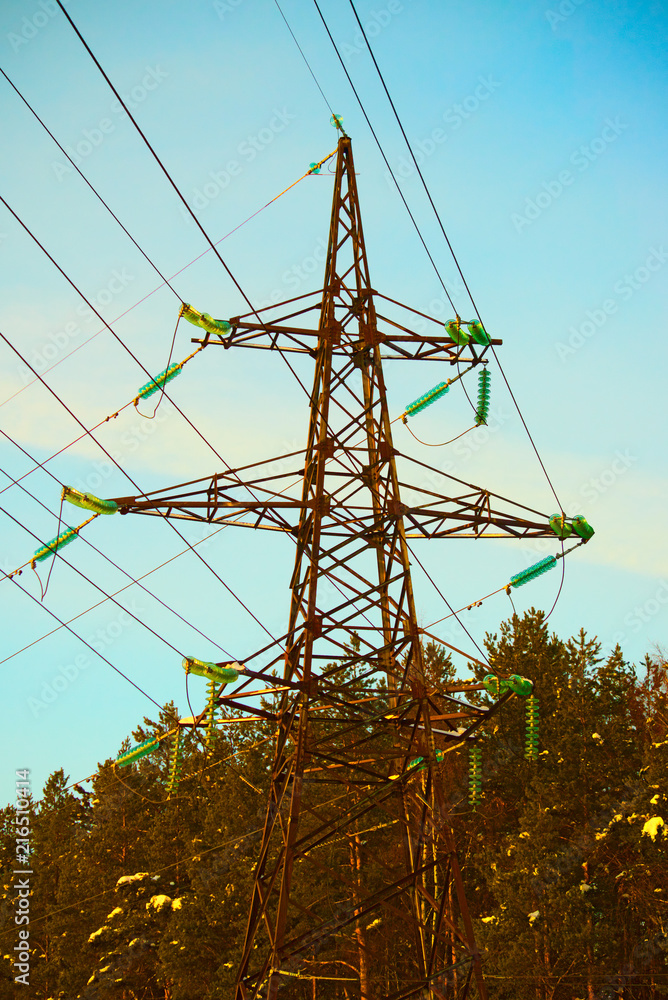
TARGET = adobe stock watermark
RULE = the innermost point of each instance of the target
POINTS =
(31, 26)
(642, 614)
(439, 308)
(581, 159)
(247, 151)
(101, 640)
(375, 23)
(453, 117)
(92, 138)
(23, 890)
(294, 277)
(589, 495)
(223, 7)
(58, 341)
(464, 449)
(624, 289)
(563, 11)
(131, 440)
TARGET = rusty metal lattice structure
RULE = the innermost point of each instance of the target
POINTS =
(361, 735)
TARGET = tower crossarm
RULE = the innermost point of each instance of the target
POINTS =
(402, 332)
(426, 514)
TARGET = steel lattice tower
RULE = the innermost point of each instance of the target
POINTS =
(360, 733)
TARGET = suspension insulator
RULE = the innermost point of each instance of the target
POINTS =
(521, 686)
(475, 776)
(56, 543)
(560, 526)
(204, 320)
(532, 572)
(482, 409)
(478, 333)
(211, 713)
(212, 671)
(497, 686)
(532, 724)
(136, 752)
(336, 121)
(419, 763)
(429, 397)
(454, 330)
(314, 168)
(88, 501)
(175, 764)
(492, 685)
(582, 528)
(159, 381)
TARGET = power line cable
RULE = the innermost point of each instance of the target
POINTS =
(133, 580)
(165, 280)
(158, 287)
(382, 153)
(447, 240)
(444, 598)
(159, 161)
(57, 555)
(136, 486)
(115, 594)
(77, 636)
(111, 330)
(308, 65)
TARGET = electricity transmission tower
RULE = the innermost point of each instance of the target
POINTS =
(360, 733)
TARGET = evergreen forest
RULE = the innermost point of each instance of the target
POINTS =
(140, 894)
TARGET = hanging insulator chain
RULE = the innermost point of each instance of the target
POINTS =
(532, 724)
(475, 776)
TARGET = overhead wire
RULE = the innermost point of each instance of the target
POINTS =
(454, 613)
(173, 184)
(80, 638)
(165, 281)
(158, 287)
(301, 51)
(382, 153)
(450, 247)
(136, 486)
(133, 580)
(115, 594)
(175, 187)
(80, 573)
(111, 330)
(175, 864)
(439, 444)
(157, 158)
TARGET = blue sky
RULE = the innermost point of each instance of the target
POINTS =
(541, 132)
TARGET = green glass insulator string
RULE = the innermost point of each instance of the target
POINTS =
(533, 572)
(422, 402)
(212, 671)
(532, 727)
(136, 753)
(475, 776)
(175, 764)
(159, 381)
(498, 686)
(211, 713)
(203, 320)
(88, 502)
(50, 549)
(482, 409)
